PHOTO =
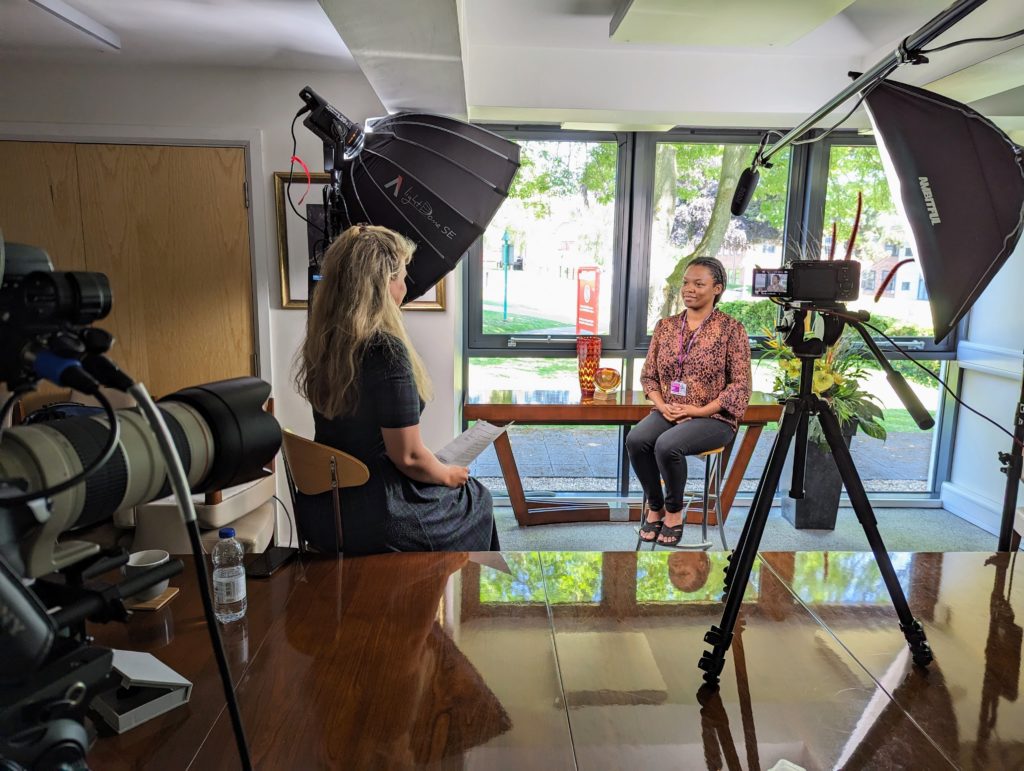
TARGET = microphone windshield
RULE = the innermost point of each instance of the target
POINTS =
(744, 190)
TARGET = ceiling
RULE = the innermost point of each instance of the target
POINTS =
(579, 63)
(289, 34)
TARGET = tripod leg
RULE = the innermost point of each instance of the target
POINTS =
(910, 626)
(746, 524)
(796, 488)
(720, 637)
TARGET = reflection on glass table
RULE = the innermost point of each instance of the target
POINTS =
(568, 577)
(688, 575)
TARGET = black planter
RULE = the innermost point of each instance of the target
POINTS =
(818, 508)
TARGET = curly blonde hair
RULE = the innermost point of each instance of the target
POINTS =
(352, 308)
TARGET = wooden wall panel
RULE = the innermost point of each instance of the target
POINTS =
(170, 228)
(39, 202)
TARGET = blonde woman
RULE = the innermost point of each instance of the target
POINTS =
(367, 386)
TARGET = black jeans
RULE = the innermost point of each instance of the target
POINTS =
(658, 448)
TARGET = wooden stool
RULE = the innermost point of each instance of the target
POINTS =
(710, 496)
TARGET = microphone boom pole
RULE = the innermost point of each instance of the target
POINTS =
(913, 42)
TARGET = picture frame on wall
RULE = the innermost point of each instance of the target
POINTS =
(297, 241)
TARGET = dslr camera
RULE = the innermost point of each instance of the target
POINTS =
(53, 481)
(812, 281)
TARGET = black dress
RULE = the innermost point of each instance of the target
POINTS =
(392, 512)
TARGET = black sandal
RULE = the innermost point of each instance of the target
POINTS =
(674, 533)
(650, 527)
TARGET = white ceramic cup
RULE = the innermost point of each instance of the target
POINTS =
(141, 561)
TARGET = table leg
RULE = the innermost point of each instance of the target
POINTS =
(541, 512)
(514, 485)
(738, 468)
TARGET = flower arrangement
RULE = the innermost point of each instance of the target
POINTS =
(838, 375)
(838, 378)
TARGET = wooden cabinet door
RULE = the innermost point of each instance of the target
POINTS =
(169, 226)
(39, 202)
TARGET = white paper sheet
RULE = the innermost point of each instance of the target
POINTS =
(464, 449)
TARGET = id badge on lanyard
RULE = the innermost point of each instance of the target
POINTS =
(678, 386)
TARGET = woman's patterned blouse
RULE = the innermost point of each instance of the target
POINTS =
(716, 367)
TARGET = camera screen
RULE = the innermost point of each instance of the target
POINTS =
(771, 282)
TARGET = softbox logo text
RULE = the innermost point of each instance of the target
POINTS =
(929, 200)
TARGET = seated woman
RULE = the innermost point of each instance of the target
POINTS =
(367, 386)
(697, 373)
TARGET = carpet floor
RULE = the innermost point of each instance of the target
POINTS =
(919, 530)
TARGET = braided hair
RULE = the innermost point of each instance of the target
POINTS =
(717, 272)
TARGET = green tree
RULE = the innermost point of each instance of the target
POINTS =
(854, 170)
(734, 159)
(554, 169)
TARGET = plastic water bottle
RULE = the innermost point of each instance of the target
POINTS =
(228, 577)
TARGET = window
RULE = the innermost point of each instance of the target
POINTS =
(637, 208)
(559, 223)
(881, 243)
(690, 217)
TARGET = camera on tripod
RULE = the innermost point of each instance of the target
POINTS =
(810, 281)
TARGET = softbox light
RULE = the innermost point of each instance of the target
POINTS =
(958, 180)
(436, 180)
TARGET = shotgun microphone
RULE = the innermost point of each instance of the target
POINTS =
(744, 190)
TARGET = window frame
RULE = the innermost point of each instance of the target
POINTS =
(921, 347)
(627, 339)
(638, 338)
(479, 344)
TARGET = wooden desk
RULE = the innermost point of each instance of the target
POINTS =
(447, 661)
(565, 408)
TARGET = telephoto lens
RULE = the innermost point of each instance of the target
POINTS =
(220, 430)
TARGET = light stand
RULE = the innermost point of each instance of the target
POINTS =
(343, 140)
(1013, 466)
(796, 414)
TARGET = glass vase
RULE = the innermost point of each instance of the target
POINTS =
(588, 358)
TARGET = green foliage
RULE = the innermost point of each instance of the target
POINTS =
(558, 577)
(844, 578)
(549, 169)
(599, 173)
(756, 317)
(852, 170)
(838, 377)
(697, 168)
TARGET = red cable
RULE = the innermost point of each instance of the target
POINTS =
(309, 179)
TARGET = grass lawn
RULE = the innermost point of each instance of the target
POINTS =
(494, 324)
(899, 421)
(527, 367)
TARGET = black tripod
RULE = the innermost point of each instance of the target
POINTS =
(830, 322)
(1012, 465)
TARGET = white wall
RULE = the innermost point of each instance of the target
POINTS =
(992, 361)
(111, 102)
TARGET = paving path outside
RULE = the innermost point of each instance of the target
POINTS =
(577, 458)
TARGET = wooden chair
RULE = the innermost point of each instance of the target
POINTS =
(314, 468)
(710, 496)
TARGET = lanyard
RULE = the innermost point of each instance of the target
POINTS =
(684, 355)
